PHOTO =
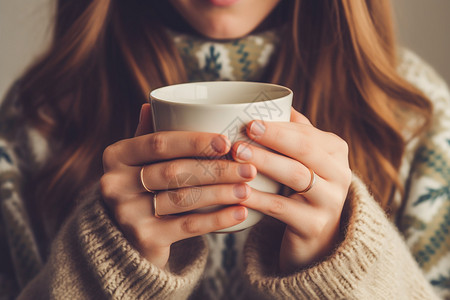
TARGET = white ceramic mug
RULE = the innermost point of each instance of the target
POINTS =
(223, 107)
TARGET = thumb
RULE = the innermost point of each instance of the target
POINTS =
(145, 120)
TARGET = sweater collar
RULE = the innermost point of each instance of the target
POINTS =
(243, 59)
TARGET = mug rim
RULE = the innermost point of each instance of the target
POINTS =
(152, 97)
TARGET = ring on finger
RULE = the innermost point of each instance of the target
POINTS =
(155, 213)
(143, 183)
(311, 182)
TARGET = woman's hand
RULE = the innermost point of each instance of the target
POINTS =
(312, 218)
(172, 167)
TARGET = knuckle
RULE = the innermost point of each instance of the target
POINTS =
(348, 175)
(180, 197)
(305, 148)
(314, 230)
(219, 168)
(134, 230)
(108, 188)
(110, 155)
(191, 226)
(218, 222)
(170, 171)
(298, 175)
(345, 178)
(340, 145)
(141, 235)
(121, 216)
(333, 135)
(276, 206)
(343, 146)
(318, 227)
(197, 144)
(158, 143)
(308, 132)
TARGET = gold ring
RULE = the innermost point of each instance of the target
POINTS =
(142, 181)
(154, 206)
(311, 182)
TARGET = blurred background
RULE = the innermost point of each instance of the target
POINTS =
(25, 29)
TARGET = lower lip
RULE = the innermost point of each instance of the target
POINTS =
(223, 2)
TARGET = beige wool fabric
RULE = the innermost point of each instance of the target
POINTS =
(371, 263)
(92, 260)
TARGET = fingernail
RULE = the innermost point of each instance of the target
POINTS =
(246, 171)
(243, 152)
(240, 213)
(257, 128)
(240, 191)
(219, 144)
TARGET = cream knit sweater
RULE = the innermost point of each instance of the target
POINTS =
(91, 259)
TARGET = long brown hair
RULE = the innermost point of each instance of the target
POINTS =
(339, 57)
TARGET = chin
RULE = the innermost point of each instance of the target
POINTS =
(224, 33)
(224, 28)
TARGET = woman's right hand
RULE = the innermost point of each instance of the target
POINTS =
(183, 182)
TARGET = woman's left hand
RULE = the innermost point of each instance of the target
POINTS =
(313, 217)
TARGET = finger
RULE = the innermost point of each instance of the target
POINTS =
(267, 131)
(186, 199)
(175, 174)
(145, 120)
(293, 212)
(287, 170)
(293, 174)
(139, 211)
(300, 142)
(195, 224)
(330, 142)
(188, 172)
(297, 117)
(164, 145)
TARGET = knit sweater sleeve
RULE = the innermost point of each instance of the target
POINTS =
(375, 259)
(91, 259)
(372, 262)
